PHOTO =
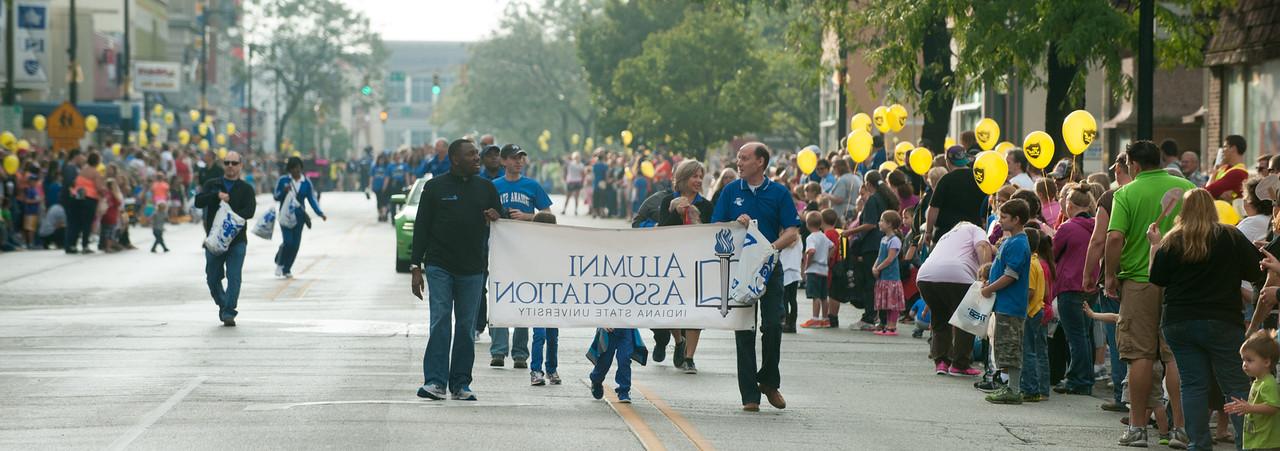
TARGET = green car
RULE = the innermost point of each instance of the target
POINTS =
(403, 222)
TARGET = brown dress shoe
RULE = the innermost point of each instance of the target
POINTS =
(751, 407)
(775, 397)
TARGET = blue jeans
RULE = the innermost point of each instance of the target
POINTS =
(1078, 327)
(550, 337)
(770, 323)
(621, 345)
(1035, 356)
(227, 265)
(1119, 369)
(288, 251)
(460, 295)
(517, 346)
(1201, 346)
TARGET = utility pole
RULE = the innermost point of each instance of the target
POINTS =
(126, 75)
(72, 88)
(10, 94)
(249, 122)
(204, 58)
(1146, 69)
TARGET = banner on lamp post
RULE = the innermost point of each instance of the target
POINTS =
(157, 76)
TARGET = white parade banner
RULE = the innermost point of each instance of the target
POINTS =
(547, 275)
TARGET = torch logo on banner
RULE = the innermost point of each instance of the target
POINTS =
(724, 250)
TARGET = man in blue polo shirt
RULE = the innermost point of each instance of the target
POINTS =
(754, 197)
(521, 198)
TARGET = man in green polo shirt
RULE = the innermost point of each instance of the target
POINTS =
(1138, 338)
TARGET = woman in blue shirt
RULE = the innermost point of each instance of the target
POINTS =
(301, 186)
(378, 175)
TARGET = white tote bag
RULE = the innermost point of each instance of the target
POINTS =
(756, 261)
(266, 224)
(288, 216)
(971, 316)
(226, 225)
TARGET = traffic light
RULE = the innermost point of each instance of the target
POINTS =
(383, 115)
(367, 90)
(435, 84)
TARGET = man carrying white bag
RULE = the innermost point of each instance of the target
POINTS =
(228, 203)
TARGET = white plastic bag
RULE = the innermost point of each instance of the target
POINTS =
(756, 261)
(288, 216)
(266, 225)
(226, 225)
(971, 316)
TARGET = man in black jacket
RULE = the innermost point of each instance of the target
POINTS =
(236, 192)
(450, 238)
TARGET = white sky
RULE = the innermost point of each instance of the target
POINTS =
(431, 20)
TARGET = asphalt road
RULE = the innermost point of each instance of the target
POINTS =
(124, 351)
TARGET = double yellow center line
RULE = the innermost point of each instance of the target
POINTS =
(641, 429)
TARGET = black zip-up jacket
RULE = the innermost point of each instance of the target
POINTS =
(242, 202)
(450, 230)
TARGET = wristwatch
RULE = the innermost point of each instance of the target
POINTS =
(415, 266)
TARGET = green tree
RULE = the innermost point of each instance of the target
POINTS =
(526, 79)
(318, 51)
(701, 83)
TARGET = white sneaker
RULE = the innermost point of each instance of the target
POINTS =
(279, 271)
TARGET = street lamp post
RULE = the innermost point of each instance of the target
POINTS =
(249, 122)
(1146, 69)
(72, 89)
(10, 96)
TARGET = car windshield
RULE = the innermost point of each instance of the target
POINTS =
(414, 194)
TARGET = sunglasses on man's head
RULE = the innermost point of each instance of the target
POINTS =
(231, 163)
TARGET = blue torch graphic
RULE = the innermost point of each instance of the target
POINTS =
(724, 250)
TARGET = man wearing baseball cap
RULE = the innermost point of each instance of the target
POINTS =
(956, 198)
(521, 197)
(491, 162)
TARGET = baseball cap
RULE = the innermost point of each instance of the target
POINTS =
(489, 149)
(511, 150)
(958, 156)
(1062, 169)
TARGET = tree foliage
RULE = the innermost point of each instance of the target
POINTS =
(317, 51)
(526, 79)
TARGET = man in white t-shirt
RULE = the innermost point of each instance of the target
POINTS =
(1018, 170)
(574, 173)
(943, 280)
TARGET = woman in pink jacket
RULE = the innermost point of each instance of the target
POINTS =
(1069, 245)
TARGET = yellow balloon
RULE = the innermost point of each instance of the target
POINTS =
(860, 145)
(155, 129)
(102, 169)
(589, 144)
(666, 139)
(888, 166)
(142, 139)
(899, 117)
(168, 118)
(1226, 213)
(627, 137)
(1004, 147)
(990, 171)
(222, 153)
(184, 137)
(11, 164)
(208, 120)
(158, 110)
(221, 139)
(1078, 130)
(8, 140)
(24, 144)
(1038, 146)
(807, 160)
(142, 125)
(542, 145)
(988, 133)
(204, 145)
(203, 128)
(231, 128)
(608, 140)
(860, 121)
(573, 140)
(880, 117)
(116, 148)
(91, 123)
(39, 122)
(947, 143)
(646, 168)
(629, 174)
(900, 152)
(194, 114)
(921, 160)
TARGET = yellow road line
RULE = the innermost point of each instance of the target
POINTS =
(276, 294)
(677, 419)
(638, 427)
(303, 292)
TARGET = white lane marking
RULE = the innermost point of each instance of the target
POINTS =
(154, 415)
